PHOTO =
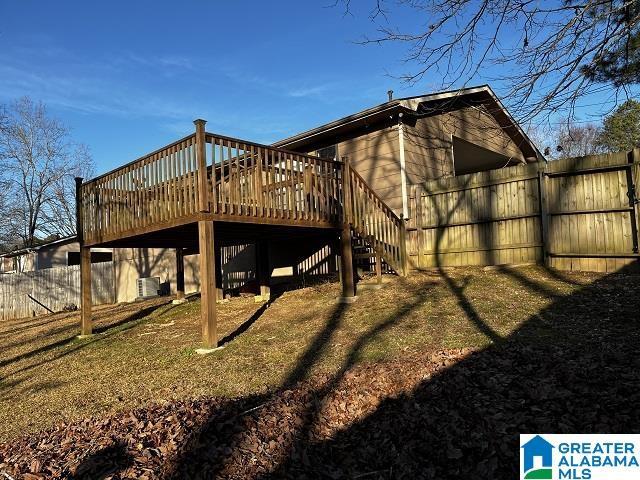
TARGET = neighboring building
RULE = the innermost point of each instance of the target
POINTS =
(237, 272)
(409, 140)
(57, 253)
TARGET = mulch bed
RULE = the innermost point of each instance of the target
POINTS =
(448, 415)
(209, 437)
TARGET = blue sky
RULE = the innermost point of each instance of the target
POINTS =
(129, 77)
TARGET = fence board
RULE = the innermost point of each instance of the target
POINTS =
(575, 214)
(42, 291)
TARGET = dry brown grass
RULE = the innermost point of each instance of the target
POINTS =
(146, 351)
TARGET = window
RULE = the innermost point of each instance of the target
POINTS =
(73, 258)
(328, 152)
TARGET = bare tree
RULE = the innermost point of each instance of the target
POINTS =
(577, 140)
(568, 139)
(59, 216)
(38, 161)
(553, 52)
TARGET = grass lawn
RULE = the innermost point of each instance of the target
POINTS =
(146, 351)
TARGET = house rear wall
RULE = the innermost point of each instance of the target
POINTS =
(429, 147)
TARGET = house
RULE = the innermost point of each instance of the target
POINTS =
(409, 140)
(392, 146)
(207, 202)
(61, 252)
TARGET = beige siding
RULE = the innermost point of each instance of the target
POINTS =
(428, 149)
(428, 143)
(288, 259)
(20, 263)
(56, 255)
(376, 157)
(134, 263)
(428, 153)
(477, 126)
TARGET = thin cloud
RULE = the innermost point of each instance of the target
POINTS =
(310, 91)
(157, 61)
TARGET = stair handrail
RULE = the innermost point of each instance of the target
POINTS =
(371, 218)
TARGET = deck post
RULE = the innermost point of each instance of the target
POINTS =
(347, 277)
(201, 162)
(85, 267)
(85, 290)
(207, 284)
(403, 246)
(263, 269)
(180, 274)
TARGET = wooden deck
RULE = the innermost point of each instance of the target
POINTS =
(206, 178)
(211, 178)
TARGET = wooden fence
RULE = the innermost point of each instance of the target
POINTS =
(50, 290)
(572, 214)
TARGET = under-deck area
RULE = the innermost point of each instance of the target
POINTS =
(208, 191)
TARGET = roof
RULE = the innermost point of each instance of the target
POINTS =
(22, 251)
(416, 104)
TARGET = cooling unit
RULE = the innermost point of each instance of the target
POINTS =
(148, 287)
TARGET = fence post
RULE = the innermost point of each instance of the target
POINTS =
(632, 178)
(544, 212)
(417, 222)
(201, 162)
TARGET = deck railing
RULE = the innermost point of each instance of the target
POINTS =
(207, 176)
(250, 180)
(225, 178)
(154, 190)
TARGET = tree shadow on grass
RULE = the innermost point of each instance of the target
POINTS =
(101, 333)
(210, 449)
(247, 324)
(574, 368)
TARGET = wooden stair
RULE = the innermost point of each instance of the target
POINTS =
(376, 229)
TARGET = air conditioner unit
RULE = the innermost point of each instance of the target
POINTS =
(148, 287)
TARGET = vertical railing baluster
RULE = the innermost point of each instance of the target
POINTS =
(214, 176)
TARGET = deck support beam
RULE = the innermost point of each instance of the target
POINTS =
(263, 269)
(85, 267)
(208, 284)
(347, 277)
(85, 291)
(180, 274)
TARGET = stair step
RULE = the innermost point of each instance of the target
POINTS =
(364, 255)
